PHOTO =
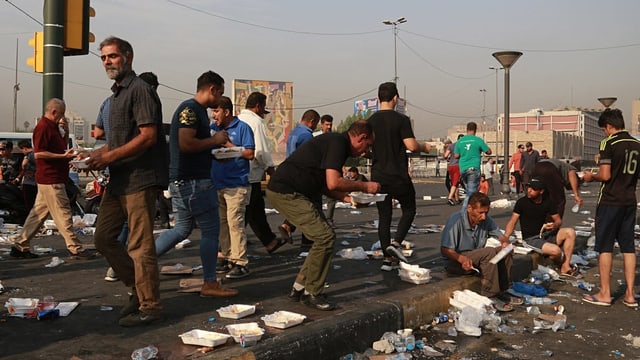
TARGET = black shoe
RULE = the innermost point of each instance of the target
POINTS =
(139, 318)
(238, 272)
(451, 202)
(317, 301)
(295, 295)
(222, 266)
(85, 254)
(15, 253)
(395, 252)
(131, 306)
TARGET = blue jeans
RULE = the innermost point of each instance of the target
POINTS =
(194, 200)
(471, 180)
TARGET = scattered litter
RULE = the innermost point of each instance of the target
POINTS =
(303, 254)
(345, 243)
(502, 204)
(355, 212)
(177, 269)
(106, 308)
(55, 261)
(183, 244)
(414, 274)
(271, 211)
(353, 253)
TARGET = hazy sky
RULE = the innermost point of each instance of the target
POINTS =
(336, 52)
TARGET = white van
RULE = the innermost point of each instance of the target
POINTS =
(15, 137)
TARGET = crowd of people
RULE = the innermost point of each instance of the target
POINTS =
(222, 193)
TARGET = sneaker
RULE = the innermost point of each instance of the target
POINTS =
(111, 275)
(85, 254)
(451, 202)
(295, 295)
(389, 265)
(139, 318)
(238, 272)
(222, 266)
(319, 302)
(215, 289)
(393, 251)
(15, 253)
(131, 306)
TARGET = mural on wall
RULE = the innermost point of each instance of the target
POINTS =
(279, 122)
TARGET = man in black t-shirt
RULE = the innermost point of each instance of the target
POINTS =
(313, 169)
(618, 171)
(555, 242)
(394, 136)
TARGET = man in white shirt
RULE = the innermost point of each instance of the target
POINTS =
(254, 112)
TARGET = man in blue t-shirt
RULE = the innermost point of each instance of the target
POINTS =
(192, 191)
(469, 151)
(231, 178)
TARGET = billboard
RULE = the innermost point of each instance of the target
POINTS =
(279, 122)
(362, 107)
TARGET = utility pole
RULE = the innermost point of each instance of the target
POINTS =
(52, 80)
(16, 88)
(484, 104)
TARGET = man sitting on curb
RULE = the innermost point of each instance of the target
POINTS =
(555, 242)
(463, 245)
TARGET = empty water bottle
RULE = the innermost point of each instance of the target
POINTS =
(145, 353)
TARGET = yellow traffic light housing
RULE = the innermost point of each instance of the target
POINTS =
(37, 60)
(76, 27)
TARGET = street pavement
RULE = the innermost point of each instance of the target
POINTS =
(370, 301)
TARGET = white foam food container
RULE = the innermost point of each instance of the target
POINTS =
(204, 338)
(283, 319)
(249, 331)
(364, 198)
(412, 278)
(236, 311)
(414, 274)
(375, 254)
(80, 164)
(228, 152)
(21, 306)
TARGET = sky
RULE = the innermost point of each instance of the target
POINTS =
(336, 52)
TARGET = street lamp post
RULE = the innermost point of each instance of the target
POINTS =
(484, 107)
(496, 116)
(395, 47)
(506, 59)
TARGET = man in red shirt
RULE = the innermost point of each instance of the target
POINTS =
(52, 172)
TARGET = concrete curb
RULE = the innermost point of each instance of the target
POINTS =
(335, 336)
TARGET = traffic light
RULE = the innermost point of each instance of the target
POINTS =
(37, 60)
(76, 27)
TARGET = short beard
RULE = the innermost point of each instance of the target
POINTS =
(115, 74)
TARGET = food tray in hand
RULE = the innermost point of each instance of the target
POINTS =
(204, 338)
(80, 164)
(364, 198)
(236, 311)
(251, 332)
(283, 319)
(228, 152)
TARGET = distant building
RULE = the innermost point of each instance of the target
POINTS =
(633, 123)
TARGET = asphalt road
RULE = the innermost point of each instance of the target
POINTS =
(91, 331)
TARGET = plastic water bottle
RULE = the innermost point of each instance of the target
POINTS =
(575, 208)
(534, 300)
(410, 341)
(145, 353)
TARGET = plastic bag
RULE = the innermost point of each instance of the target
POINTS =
(529, 289)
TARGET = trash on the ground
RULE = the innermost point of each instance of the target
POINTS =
(304, 254)
(190, 285)
(50, 225)
(67, 307)
(464, 298)
(236, 311)
(426, 197)
(177, 269)
(204, 338)
(246, 334)
(55, 261)
(37, 249)
(145, 353)
(22, 307)
(383, 345)
(355, 212)
(270, 211)
(344, 243)
(529, 289)
(183, 244)
(469, 321)
(635, 340)
(502, 204)
(445, 345)
(106, 308)
(414, 273)
(357, 253)
(375, 254)
(283, 319)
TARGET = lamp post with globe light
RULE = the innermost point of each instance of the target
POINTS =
(506, 59)
(395, 24)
